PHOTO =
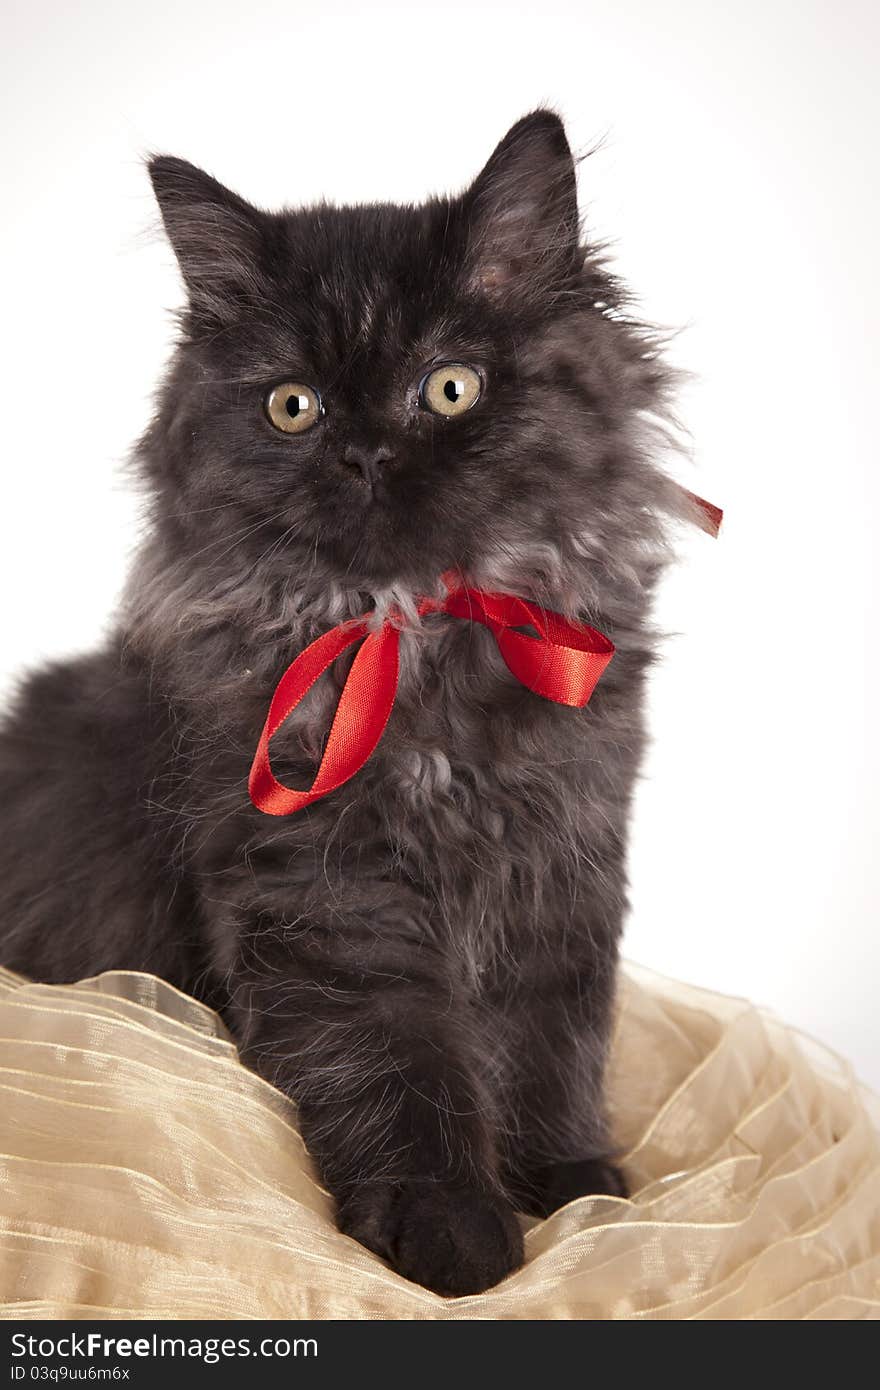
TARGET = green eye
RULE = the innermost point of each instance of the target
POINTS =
(451, 389)
(293, 407)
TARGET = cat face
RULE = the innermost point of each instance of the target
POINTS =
(390, 392)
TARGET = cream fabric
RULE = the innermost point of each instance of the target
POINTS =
(146, 1173)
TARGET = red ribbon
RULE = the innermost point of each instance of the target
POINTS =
(709, 516)
(563, 663)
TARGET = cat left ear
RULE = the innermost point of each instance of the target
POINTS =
(216, 235)
(522, 209)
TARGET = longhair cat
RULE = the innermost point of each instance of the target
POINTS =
(362, 399)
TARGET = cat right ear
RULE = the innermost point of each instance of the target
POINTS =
(522, 210)
(216, 235)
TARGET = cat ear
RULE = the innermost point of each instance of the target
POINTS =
(522, 209)
(216, 236)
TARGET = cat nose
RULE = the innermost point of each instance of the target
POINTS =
(368, 459)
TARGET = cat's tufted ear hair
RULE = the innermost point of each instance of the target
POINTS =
(523, 226)
(218, 238)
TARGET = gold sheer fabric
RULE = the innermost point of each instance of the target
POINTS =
(147, 1174)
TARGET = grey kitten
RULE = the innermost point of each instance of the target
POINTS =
(363, 398)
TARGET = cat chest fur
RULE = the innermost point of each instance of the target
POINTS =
(484, 793)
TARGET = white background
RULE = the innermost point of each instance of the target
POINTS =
(738, 177)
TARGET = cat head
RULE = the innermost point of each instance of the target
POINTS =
(371, 396)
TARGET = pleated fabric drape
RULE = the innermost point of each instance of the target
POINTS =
(147, 1174)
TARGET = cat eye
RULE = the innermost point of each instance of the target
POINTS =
(293, 407)
(451, 389)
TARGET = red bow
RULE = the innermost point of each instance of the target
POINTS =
(563, 663)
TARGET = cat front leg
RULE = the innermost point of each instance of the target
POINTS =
(359, 1023)
(558, 1143)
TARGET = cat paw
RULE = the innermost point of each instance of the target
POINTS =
(448, 1238)
(542, 1190)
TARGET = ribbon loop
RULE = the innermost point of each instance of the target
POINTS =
(357, 725)
(566, 674)
(563, 663)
